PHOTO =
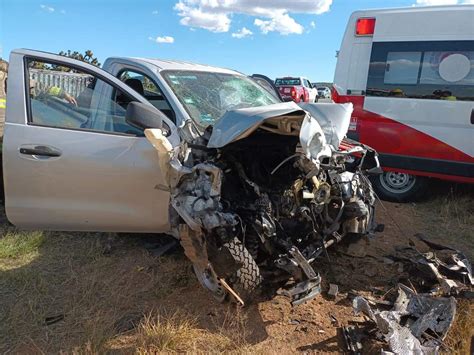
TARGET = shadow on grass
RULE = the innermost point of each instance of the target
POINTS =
(90, 292)
(93, 292)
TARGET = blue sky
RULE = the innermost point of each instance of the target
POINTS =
(272, 37)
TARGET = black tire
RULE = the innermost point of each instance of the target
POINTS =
(399, 187)
(248, 277)
(244, 281)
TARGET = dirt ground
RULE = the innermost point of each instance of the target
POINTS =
(96, 293)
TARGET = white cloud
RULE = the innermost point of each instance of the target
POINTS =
(195, 17)
(47, 8)
(154, 12)
(242, 33)
(442, 2)
(163, 39)
(215, 15)
(312, 24)
(281, 23)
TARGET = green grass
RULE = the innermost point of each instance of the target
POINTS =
(18, 244)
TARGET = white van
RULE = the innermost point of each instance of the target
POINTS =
(410, 74)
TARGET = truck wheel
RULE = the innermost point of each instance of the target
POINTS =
(208, 279)
(244, 281)
(398, 187)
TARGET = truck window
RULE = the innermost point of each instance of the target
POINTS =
(64, 97)
(287, 81)
(437, 70)
(146, 87)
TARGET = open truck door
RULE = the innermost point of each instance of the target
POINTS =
(71, 160)
(267, 84)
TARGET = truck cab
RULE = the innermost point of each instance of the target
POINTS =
(80, 165)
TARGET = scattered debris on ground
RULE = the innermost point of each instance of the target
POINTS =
(92, 292)
(417, 323)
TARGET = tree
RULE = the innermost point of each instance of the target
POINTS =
(87, 57)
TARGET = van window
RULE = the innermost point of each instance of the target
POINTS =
(402, 67)
(437, 70)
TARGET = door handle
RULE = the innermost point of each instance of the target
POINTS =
(41, 150)
(472, 116)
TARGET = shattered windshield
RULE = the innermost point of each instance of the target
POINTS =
(207, 96)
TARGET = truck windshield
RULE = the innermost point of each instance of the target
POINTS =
(206, 96)
(287, 81)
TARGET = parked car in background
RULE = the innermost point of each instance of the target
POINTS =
(297, 89)
(410, 75)
(324, 92)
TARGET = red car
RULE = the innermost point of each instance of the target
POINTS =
(296, 89)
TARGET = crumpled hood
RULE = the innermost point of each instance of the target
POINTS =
(238, 124)
(284, 118)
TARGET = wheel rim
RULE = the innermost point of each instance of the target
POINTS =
(396, 182)
(207, 278)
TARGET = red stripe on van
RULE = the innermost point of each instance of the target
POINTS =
(392, 137)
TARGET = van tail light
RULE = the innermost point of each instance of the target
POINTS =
(365, 26)
(293, 92)
(334, 95)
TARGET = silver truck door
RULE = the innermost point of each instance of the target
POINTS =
(70, 160)
(267, 84)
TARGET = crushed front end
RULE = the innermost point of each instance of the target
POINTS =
(262, 195)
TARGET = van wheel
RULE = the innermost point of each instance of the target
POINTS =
(398, 187)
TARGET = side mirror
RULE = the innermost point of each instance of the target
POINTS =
(143, 116)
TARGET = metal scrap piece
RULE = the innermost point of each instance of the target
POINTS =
(194, 246)
(461, 264)
(333, 290)
(352, 338)
(421, 314)
(303, 263)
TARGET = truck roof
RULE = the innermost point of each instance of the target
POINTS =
(164, 64)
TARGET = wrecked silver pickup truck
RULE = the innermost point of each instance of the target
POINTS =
(263, 192)
(255, 189)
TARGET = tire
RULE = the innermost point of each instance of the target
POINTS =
(399, 187)
(248, 277)
(244, 281)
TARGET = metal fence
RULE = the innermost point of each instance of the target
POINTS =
(72, 83)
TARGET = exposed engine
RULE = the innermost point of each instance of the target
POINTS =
(265, 206)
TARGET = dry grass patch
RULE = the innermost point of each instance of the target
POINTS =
(461, 333)
(80, 291)
(449, 219)
(181, 332)
(165, 333)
